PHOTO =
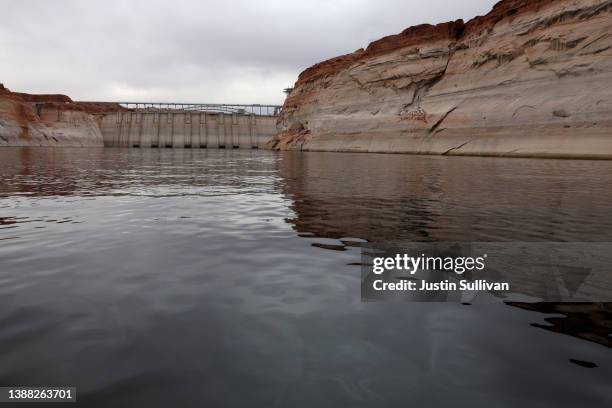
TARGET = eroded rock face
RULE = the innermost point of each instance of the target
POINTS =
(531, 78)
(48, 120)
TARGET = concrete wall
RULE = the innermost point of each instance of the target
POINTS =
(186, 130)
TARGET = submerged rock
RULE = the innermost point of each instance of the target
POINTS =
(485, 87)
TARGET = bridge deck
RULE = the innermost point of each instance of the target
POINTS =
(241, 109)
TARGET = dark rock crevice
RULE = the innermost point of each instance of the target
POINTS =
(439, 122)
(455, 148)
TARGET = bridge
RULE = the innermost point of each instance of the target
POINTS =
(255, 109)
(189, 125)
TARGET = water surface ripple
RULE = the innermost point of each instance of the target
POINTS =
(229, 278)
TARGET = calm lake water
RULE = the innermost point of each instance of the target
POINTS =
(158, 278)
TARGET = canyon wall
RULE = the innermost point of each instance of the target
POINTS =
(56, 120)
(531, 78)
(48, 120)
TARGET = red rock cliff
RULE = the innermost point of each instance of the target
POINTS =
(49, 120)
(530, 78)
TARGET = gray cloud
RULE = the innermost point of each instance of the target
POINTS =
(193, 51)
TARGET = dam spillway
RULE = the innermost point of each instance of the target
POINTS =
(189, 126)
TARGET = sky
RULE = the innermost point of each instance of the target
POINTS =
(205, 51)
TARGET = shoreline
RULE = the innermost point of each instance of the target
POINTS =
(454, 155)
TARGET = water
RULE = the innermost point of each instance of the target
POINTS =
(228, 278)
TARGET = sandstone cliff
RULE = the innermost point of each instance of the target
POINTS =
(531, 78)
(48, 120)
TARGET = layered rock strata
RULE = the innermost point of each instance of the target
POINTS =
(531, 78)
(49, 120)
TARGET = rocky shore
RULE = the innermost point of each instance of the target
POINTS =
(49, 120)
(530, 78)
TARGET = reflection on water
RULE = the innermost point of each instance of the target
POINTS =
(588, 321)
(231, 278)
(397, 197)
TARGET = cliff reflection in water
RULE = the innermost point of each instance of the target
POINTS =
(386, 198)
(397, 198)
(196, 270)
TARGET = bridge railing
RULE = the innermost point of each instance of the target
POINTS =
(254, 109)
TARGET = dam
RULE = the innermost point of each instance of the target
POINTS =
(175, 125)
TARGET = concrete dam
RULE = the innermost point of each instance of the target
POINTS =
(155, 125)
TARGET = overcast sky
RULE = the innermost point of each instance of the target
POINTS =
(230, 51)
